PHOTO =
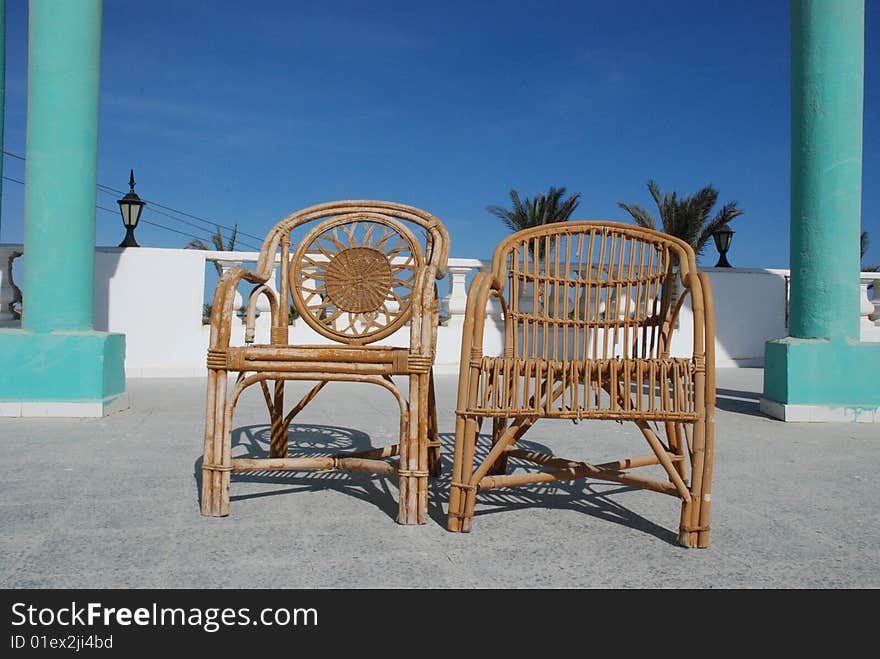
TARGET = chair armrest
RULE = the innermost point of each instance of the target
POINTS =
(251, 315)
(423, 335)
(709, 322)
(483, 286)
(224, 299)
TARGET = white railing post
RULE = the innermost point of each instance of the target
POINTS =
(869, 310)
(8, 289)
(455, 304)
(225, 265)
(865, 306)
(262, 305)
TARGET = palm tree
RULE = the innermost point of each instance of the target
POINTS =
(543, 209)
(219, 244)
(686, 218)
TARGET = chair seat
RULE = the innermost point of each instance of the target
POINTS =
(367, 360)
(647, 389)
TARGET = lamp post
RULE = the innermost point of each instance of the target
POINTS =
(130, 206)
(722, 239)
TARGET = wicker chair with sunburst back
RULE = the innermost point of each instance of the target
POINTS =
(589, 312)
(363, 270)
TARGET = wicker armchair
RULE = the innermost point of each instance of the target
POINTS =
(589, 312)
(359, 274)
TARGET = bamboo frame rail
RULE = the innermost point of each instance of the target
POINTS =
(589, 313)
(363, 270)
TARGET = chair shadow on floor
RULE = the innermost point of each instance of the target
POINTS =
(591, 497)
(307, 440)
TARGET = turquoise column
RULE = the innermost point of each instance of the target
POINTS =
(57, 364)
(64, 66)
(821, 371)
(827, 83)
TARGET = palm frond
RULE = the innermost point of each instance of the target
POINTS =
(569, 206)
(639, 215)
(654, 189)
(687, 217)
(542, 209)
(504, 215)
(217, 239)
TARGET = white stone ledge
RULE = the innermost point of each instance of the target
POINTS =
(66, 410)
(819, 413)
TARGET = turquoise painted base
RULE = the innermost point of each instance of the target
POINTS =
(61, 366)
(822, 372)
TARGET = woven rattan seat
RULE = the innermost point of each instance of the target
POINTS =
(589, 309)
(569, 390)
(363, 271)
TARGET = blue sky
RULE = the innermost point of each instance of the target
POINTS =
(245, 112)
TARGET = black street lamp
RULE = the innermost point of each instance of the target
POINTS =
(722, 239)
(130, 206)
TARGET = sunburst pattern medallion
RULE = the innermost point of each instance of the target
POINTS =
(353, 277)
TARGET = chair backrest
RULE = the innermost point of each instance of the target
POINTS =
(589, 290)
(362, 268)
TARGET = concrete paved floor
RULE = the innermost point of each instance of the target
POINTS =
(113, 503)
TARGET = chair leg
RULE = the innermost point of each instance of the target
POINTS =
(706, 485)
(278, 441)
(413, 469)
(216, 460)
(462, 494)
(694, 525)
(686, 538)
(499, 425)
(674, 438)
(423, 421)
(674, 441)
(434, 464)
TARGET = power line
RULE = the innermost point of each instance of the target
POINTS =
(153, 210)
(178, 219)
(196, 226)
(155, 224)
(109, 190)
(183, 233)
(114, 191)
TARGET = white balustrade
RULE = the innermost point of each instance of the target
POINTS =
(152, 295)
(454, 304)
(869, 308)
(262, 304)
(8, 290)
(225, 266)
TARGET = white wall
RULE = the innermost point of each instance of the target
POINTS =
(155, 297)
(749, 310)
